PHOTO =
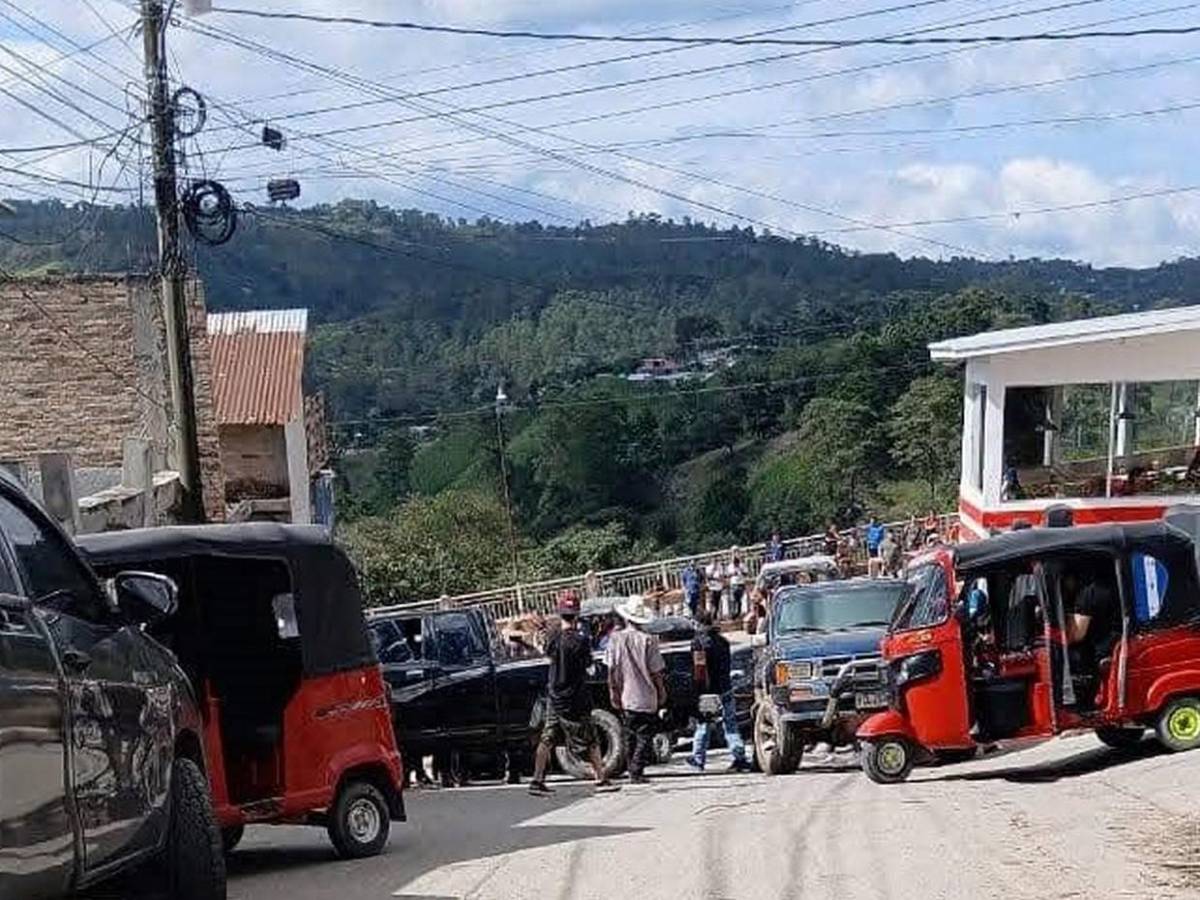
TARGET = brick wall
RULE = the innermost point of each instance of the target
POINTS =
(82, 366)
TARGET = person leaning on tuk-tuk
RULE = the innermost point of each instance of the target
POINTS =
(568, 713)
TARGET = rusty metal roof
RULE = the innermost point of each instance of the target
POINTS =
(257, 365)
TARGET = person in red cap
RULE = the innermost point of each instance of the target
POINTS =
(568, 699)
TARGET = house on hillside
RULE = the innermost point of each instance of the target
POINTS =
(272, 437)
(1099, 416)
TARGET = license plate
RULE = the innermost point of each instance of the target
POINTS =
(870, 700)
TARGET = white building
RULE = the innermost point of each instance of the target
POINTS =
(1099, 415)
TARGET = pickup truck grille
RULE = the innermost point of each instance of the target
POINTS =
(868, 671)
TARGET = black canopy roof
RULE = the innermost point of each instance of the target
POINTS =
(329, 607)
(1033, 542)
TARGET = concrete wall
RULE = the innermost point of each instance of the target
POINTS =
(82, 368)
(255, 461)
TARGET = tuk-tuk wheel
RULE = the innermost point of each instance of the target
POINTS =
(888, 761)
(1178, 726)
(359, 821)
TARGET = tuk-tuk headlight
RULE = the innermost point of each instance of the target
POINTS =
(917, 667)
(789, 672)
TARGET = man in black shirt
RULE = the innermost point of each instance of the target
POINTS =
(711, 665)
(568, 699)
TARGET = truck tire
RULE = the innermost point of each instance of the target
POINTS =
(778, 748)
(194, 858)
(612, 749)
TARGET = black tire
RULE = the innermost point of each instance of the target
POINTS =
(359, 821)
(194, 858)
(232, 836)
(1121, 738)
(613, 752)
(888, 760)
(1178, 725)
(778, 748)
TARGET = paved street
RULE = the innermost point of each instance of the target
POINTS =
(1063, 820)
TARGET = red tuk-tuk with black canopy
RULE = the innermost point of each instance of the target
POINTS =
(271, 632)
(1031, 633)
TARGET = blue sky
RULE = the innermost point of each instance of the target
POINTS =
(867, 147)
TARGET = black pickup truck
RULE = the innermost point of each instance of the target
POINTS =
(455, 687)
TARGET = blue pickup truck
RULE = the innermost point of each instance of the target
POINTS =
(818, 668)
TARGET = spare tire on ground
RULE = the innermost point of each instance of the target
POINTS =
(612, 749)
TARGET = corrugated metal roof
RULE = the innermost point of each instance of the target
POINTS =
(257, 365)
(1061, 334)
(262, 321)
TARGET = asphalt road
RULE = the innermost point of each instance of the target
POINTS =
(1067, 819)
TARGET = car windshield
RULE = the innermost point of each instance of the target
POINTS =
(837, 607)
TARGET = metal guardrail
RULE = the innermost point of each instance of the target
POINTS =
(540, 596)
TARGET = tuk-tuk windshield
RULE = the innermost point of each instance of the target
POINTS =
(927, 602)
(837, 606)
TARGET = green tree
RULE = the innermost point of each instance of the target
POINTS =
(926, 431)
(837, 442)
(783, 496)
(453, 543)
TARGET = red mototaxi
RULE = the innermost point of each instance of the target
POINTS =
(978, 652)
(271, 632)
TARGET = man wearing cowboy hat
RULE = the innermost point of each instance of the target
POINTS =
(569, 702)
(635, 682)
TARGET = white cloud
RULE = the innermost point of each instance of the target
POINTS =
(880, 178)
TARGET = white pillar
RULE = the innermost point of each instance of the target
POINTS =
(1124, 430)
(296, 441)
(1054, 405)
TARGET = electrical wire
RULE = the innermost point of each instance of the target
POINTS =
(715, 39)
(452, 113)
(652, 79)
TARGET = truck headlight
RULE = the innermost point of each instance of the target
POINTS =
(917, 667)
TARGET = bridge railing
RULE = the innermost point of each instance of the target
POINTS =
(540, 596)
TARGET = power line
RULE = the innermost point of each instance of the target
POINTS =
(453, 114)
(559, 70)
(666, 76)
(1043, 210)
(652, 396)
(713, 39)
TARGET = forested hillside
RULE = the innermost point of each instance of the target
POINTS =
(809, 392)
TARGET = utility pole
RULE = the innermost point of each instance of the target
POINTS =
(172, 267)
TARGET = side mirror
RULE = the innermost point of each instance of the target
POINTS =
(144, 597)
(758, 640)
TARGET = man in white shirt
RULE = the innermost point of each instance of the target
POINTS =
(635, 683)
(714, 582)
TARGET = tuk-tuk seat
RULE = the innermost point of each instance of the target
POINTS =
(1021, 624)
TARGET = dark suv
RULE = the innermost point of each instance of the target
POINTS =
(101, 763)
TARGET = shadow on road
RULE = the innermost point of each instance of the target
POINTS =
(444, 828)
(1085, 763)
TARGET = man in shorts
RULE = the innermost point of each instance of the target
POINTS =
(568, 700)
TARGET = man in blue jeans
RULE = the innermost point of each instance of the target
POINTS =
(711, 665)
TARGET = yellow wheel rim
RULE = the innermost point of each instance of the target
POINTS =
(1184, 724)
